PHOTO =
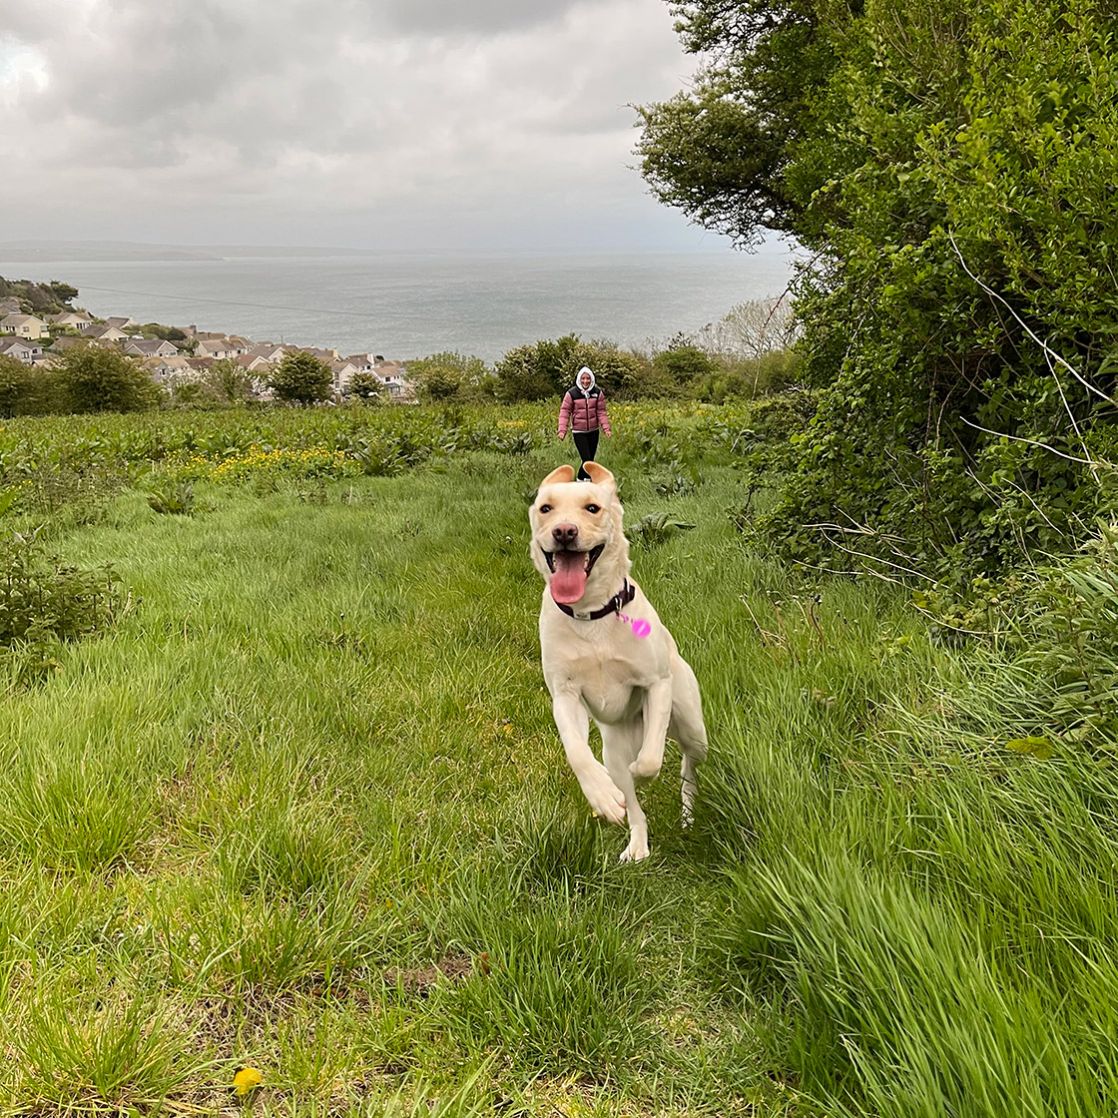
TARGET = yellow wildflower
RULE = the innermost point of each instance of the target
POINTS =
(246, 1079)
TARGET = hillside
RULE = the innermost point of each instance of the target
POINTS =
(53, 297)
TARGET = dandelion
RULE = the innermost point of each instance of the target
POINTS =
(246, 1079)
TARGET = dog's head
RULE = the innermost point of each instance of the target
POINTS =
(578, 540)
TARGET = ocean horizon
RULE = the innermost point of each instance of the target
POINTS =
(406, 306)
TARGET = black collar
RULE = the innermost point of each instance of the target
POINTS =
(622, 598)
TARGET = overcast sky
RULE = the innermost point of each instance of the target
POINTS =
(427, 124)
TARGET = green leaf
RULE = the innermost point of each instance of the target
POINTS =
(1040, 748)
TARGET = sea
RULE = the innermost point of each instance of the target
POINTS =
(405, 306)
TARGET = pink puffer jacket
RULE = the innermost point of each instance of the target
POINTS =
(583, 411)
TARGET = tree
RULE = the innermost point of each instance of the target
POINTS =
(725, 152)
(227, 381)
(751, 329)
(365, 387)
(23, 389)
(683, 362)
(63, 292)
(952, 165)
(91, 378)
(300, 378)
(450, 376)
(546, 369)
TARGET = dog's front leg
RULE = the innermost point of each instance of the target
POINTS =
(657, 715)
(573, 723)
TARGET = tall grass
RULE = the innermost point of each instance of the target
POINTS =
(304, 809)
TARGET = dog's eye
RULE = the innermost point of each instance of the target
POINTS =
(545, 508)
(593, 508)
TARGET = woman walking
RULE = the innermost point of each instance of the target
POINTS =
(584, 410)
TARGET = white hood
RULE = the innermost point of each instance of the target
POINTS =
(578, 379)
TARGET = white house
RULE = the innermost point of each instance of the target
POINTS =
(394, 378)
(266, 351)
(252, 363)
(75, 320)
(170, 370)
(362, 362)
(344, 372)
(21, 350)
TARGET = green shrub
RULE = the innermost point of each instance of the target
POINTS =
(546, 369)
(44, 601)
(681, 363)
(93, 379)
(23, 390)
(300, 378)
(951, 167)
(451, 377)
(174, 497)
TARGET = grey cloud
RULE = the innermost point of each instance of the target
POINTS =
(319, 112)
(449, 17)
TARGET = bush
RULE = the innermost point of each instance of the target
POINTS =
(92, 379)
(747, 378)
(300, 378)
(44, 601)
(681, 363)
(23, 389)
(364, 387)
(951, 167)
(451, 377)
(546, 369)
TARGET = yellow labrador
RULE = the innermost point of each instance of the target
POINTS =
(606, 655)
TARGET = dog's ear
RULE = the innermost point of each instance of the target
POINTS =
(560, 473)
(599, 475)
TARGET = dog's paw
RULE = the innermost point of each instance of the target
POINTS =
(645, 768)
(604, 797)
(636, 851)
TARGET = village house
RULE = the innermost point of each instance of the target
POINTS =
(394, 378)
(27, 352)
(220, 348)
(105, 333)
(344, 372)
(121, 322)
(170, 370)
(25, 326)
(67, 341)
(252, 363)
(149, 347)
(217, 349)
(266, 351)
(327, 355)
(73, 320)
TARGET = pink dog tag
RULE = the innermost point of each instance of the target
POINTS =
(641, 628)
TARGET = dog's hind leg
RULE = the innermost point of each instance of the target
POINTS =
(619, 746)
(687, 728)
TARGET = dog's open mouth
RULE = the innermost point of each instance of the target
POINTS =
(569, 572)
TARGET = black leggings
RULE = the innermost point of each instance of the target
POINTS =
(587, 444)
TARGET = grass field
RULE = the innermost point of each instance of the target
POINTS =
(304, 809)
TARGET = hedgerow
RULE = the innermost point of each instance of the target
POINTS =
(951, 167)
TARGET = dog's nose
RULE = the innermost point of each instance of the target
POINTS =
(565, 534)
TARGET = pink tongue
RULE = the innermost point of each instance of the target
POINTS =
(568, 582)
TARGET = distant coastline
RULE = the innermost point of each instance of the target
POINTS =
(116, 252)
